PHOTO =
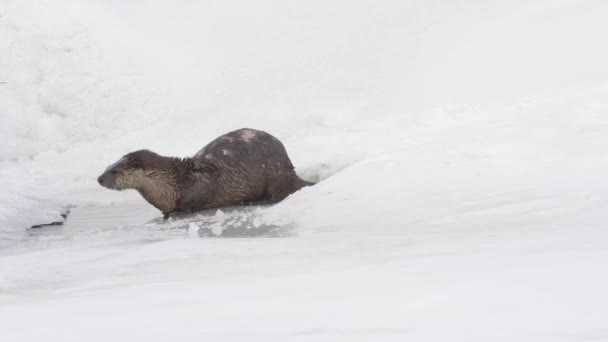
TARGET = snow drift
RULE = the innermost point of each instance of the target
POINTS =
(460, 148)
(88, 82)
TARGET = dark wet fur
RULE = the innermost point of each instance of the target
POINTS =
(241, 167)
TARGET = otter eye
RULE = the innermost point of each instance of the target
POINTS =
(113, 172)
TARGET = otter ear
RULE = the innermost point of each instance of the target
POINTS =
(132, 161)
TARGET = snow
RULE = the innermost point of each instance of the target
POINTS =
(193, 229)
(459, 149)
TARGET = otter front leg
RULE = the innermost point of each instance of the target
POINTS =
(166, 215)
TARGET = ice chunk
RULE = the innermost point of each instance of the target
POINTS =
(193, 229)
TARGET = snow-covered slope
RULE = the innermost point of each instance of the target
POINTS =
(460, 149)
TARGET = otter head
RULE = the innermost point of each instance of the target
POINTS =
(152, 175)
(129, 171)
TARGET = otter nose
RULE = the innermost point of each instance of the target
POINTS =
(100, 180)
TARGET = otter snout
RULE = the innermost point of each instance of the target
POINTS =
(105, 180)
(108, 180)
(110, 177)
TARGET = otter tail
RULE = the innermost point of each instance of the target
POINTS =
(298, 183)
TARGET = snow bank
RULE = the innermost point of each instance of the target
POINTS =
(87, 82)
(460, 148)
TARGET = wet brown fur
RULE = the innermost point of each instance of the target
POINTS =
(240, 167)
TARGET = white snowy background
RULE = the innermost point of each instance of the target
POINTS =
(460, 148)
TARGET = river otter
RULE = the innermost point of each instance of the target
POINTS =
(240, 167)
